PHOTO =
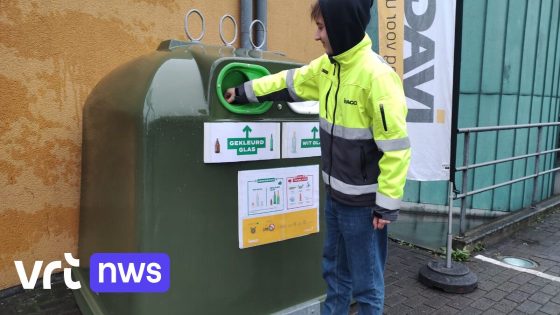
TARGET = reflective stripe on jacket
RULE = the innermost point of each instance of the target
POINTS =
(364, 142)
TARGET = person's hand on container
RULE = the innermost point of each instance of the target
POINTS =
(229, 95)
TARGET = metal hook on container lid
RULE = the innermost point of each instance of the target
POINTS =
(187, 25)
(251, 32)
(234, 29)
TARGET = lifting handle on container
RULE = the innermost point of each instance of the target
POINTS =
(187, 25)
(234, 29)
(251, 36)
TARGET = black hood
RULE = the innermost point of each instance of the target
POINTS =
(346, 22)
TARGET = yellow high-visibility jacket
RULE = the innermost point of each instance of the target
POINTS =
(364, 141)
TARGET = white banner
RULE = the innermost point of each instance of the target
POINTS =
(426, 66)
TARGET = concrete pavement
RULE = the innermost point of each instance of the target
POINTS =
(500, 290)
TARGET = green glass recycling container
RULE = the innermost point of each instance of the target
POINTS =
(146, 188)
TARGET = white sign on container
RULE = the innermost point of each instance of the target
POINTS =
(241, 141)
(277, 204)
(300, 139)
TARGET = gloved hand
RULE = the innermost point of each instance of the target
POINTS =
(229, 95)
(382, 216)
(236, 95)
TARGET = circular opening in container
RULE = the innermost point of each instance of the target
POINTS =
(520, 262)
(234, 74)
(232, 79)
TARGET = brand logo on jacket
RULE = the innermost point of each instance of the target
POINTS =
(350, 102)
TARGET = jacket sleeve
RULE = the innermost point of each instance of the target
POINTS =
(390, 134)
(294, 85)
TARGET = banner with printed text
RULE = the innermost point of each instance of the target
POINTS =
(416, 37)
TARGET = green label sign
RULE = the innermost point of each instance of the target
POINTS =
(265, 180)
(246, 146)
(313, 142)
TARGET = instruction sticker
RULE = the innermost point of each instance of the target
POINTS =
(241, 141)
(300, 139)
(277, 204)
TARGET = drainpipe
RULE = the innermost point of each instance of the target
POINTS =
(246, 19)
(261, 15)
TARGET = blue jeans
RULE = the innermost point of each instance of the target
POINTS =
(354, 256)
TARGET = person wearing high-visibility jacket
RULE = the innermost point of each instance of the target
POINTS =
(365, 150)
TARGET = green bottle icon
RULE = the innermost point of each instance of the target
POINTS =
(271, 143)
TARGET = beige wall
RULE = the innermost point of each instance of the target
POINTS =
(52, 55)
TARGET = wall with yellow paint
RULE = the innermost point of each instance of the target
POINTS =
(52, 55)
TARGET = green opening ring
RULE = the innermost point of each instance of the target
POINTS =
(234, 74)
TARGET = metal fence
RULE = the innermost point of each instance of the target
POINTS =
(464, 169)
